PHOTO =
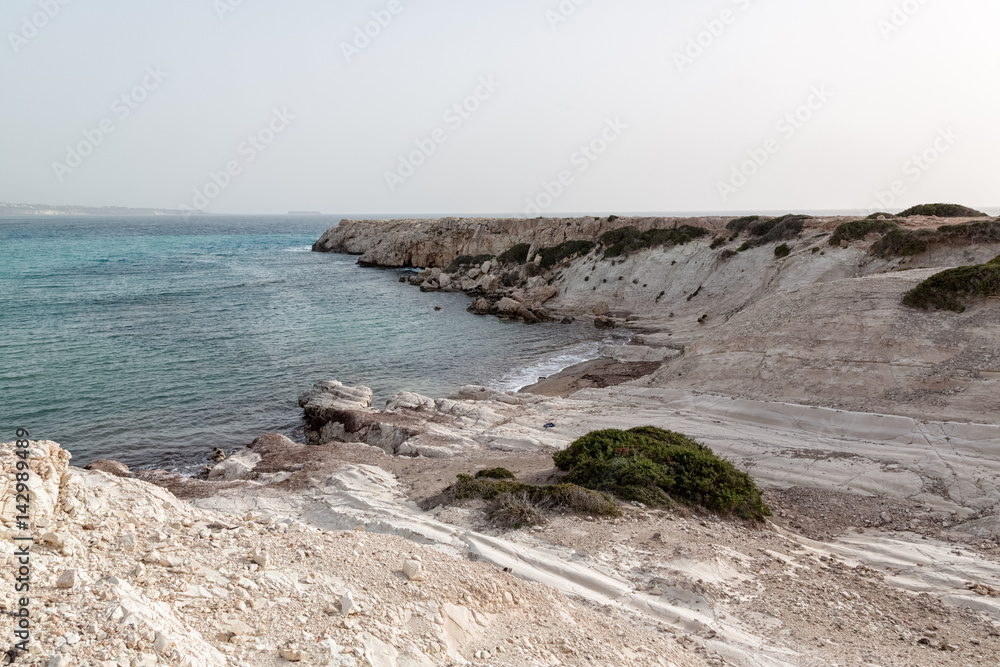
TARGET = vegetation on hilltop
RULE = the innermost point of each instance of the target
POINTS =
(859, 229)
(516, 255)
(943, 211)
(767, 230)
(899, 242)
(951, 289)
(624, 241)
(554, 255)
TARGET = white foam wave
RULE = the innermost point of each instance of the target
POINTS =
(550, 365)
(307, 248)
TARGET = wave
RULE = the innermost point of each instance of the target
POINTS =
(550, 365)
(305, 248)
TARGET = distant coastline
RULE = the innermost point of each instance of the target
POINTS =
(45, 209)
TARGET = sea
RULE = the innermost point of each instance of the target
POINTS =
(153, 340)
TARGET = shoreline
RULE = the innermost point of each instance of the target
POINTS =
(597, 373)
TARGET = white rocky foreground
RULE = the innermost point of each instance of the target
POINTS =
(334, 565)
(125, 574)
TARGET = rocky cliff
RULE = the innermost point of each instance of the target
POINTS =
(428, 243)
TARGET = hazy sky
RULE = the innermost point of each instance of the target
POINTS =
(597, 106)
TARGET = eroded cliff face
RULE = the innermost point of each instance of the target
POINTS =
(823, 324)
(435, 243)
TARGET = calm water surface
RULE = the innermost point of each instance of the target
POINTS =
(153, 340)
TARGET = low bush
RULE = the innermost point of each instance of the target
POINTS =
(876, 216)
(859, 229)
(513, 504)
(516, 255)
(467, 261)
(986, 231)
(624, 241)
(513, 511)
(903, 242)
(718, 242)
(943, 211)
(552, 256)
(899, 243)
(739, 225)
(654, 466)
(949, 290)
(495, 473)
(777, 229)
(782, 251)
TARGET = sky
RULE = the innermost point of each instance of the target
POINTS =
(504, 107)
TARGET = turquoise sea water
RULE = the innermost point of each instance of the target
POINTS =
(153, 340)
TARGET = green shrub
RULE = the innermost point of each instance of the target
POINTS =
(859, 229)
(876, 216)
(739, 225)
(654, 466)
(949, 289)
(718, 242)
(899, 243)
(943, 211)
(743, 248)
(767, 230)
(624, 241)
(902, 242)
(986, 231)
(777, 229)
(513, 511)
(612, 218)
(467, 261)
(516, 255)
(512, 504)
(552, 256)
(782, 251)
(495, 473)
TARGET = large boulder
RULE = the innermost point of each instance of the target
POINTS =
(541, 294)
(480, 307)
(331, 395)
(506, 307)
(489, 283)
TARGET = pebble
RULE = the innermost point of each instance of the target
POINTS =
(67, 579)
(290, 654)
(347, 606)
(413, 570)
